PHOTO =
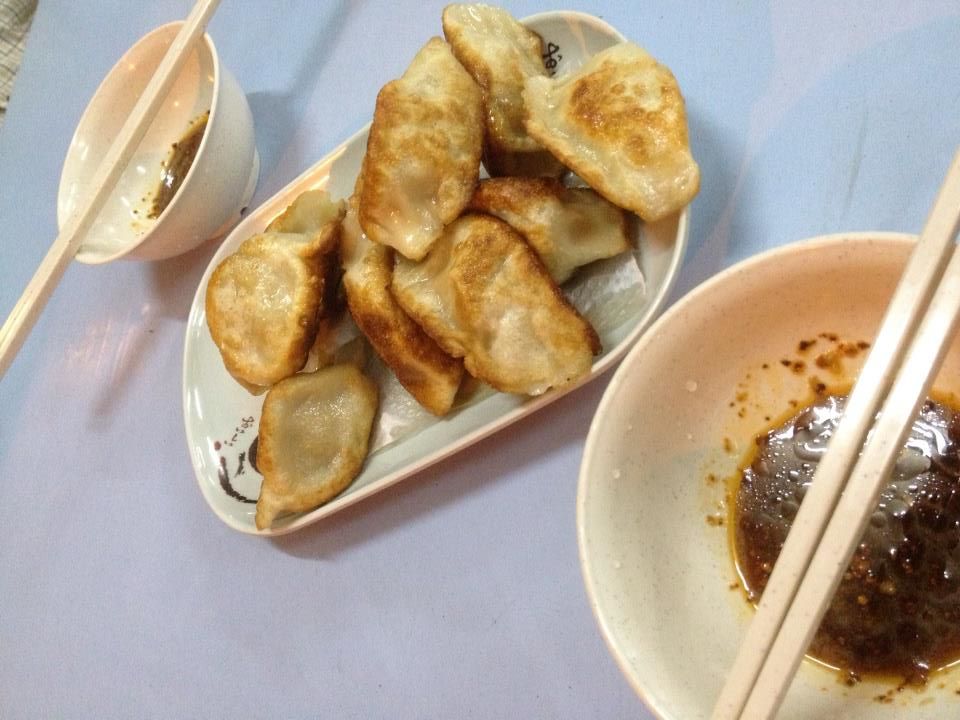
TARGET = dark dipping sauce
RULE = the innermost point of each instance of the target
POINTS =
(896, 613)
(175, 169)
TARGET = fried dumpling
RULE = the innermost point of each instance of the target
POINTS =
(567, 227)
(500, 53)
(314, 437)
(263, 301)
(620, 123)
(427, 372)
(483, 294)
(423, 153)
(309, 213)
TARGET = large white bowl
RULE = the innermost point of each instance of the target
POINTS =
(683, 407)
(220, 181)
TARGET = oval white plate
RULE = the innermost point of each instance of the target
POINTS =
(685, 404)
(221, 418)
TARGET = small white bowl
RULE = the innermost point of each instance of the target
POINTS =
(214, 191)
(686, 403)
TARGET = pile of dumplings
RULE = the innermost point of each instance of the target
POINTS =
(444, 274)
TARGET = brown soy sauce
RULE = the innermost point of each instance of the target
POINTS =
(175, 168)
(896, 613)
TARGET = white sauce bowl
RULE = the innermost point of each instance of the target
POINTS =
(215, 190)
(687, 402)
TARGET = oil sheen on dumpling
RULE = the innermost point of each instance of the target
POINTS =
(567, 227)
(423, 153)
(427, 372)
(620, 123)
(314, 437)
(262, 302)
(500, 54)
(483, 294)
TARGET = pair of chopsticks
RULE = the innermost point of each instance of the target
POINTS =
(913, 339)
(34, 298)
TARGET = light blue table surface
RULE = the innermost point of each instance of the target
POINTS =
(456, 594)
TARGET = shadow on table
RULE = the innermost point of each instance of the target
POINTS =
(173, 282)
(709, 223)
(510, 451)
(277, 115)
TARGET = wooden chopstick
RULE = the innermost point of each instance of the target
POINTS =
(34, 298)
(789, 611)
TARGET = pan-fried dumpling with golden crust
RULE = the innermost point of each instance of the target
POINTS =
(423, 153)
(262, 302)
(314, 437)
(427, 372)
(567, 227)
(620, 123)
(500, 53)
(483, 294)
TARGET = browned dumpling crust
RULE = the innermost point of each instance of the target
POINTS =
(314, 438)
(500, 53)
(262, 302)
(620, 123)
(427, 372)
(483, 294)
(567, 227)
(423, 153)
